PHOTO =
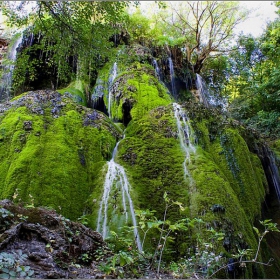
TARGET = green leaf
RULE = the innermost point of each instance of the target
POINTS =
(257, 231)
(22, 274)
(4, 276)
(172, 227)
(12, 273)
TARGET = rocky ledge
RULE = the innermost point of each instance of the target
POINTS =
(39, 243)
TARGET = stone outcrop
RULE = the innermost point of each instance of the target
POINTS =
(50, 245)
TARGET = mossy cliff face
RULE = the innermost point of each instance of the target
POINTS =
(225, 174)
(55, 151)
(131, 83)
(52, 150)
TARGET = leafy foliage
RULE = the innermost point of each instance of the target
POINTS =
(71, 39)
(11, 266)
(204, 260)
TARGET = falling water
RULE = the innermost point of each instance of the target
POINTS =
(272, 172)
(116, 181)
(172, 77)
(6, 79)
(157, 70)
(112, 77)
(186, 137)
(205, 96)
(203, 91)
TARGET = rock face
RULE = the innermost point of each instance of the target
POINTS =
(54, 152)
(52, 246)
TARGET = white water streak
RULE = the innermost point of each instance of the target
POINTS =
(206, 97)
(6, 79)
(112, 77)
(274, 174)
(115, 177)
(203, 91)
(157, 70)
(186, 137)
(172, 77)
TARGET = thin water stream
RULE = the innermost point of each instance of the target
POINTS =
(172, 77)
(116, 207)
(112, 77)
(116, 181)
(186, 137)
(6, 79)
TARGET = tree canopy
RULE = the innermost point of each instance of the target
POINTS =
(203, 28)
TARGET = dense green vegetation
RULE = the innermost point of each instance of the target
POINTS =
(54, 147)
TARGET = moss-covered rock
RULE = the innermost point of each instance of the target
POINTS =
(52, 150)
(224, 172)
(129, 88)
(76, 90)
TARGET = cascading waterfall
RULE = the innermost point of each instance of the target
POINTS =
(172, 77)
(272, 172)
(116, 182)
(6, 79)
(206, 97)
(157, 70)
(203, 90)
(112, 77)
(116, 186)
(186, 137)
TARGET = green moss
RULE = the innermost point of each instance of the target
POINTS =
(58, 159)
(275, 146)
(223, 169)
(153, 159)
(135, 90)
(77, 90)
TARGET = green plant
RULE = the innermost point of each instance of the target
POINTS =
(268, 227)
(127, 260)
(86, 258)
(83, 220)
(166, 227)
(11, 268)
(5, 219)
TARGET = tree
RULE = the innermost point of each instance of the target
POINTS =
(72, 38)
(203, 28)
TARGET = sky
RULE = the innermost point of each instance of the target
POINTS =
(262, 12)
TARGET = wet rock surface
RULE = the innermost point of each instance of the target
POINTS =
(55, 247)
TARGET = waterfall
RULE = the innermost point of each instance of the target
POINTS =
(157, 70)
(275, 176)
(203, 90)
(116, 183)
(186, 137)
(271, 170)
(112, 77)
(6, 79)
(206, 97)
(116, 207)
(172, 77)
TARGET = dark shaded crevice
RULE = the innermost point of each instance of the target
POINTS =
(126, 108)
(99, 104)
